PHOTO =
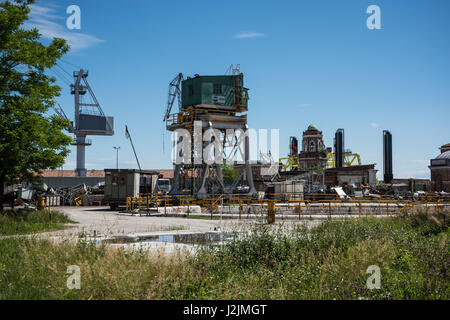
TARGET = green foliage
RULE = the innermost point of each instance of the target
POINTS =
(30, 141)
(25, 221)
(229, 173)
(330, 261)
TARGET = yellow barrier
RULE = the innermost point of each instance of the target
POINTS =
(41, 203)
(271, 212)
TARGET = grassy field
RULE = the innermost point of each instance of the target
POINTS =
(327, 262)
(23, 221)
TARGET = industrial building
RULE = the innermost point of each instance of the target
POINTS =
(219, 104)
(411, 185)
(321, 168)
(68, 178)
(354, 175)
(440, 170)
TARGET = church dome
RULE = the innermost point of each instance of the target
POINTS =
(313, 127)
(445, 155)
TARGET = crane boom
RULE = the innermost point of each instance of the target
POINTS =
(174, 92)
(59, 111)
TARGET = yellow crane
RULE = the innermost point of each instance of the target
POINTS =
(289, 164)
(350, 159)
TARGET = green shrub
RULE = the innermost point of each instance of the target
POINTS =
(24, 221)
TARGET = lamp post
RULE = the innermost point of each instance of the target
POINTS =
(117, 156)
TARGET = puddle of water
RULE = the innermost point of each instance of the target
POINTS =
(191, 238)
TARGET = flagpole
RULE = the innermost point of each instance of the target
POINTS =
(132, 145)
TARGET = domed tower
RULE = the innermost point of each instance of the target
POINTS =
(313, 153)
(440, 170)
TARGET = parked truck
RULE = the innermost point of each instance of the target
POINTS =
(163, 186)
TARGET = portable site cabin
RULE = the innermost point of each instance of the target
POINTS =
(290, 189)
(123, 183)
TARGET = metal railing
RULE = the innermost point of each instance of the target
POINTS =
(238, 204)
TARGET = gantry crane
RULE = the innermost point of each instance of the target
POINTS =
(215, 104)
(89, 118)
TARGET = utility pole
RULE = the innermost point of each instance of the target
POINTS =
(117, 156)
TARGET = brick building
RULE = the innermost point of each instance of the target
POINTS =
(440, 170)
(313, 153)
(364, 174)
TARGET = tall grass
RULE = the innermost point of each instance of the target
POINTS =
(326, 262)
(330, 261)
(25, 221)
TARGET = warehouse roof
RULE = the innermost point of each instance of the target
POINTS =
(167, 173)
(71, 173)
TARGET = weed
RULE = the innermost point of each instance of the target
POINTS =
(26, 221)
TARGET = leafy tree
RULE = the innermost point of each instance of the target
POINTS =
(229, 173)
(30, 141)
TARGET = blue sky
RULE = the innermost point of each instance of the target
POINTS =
(305, 62)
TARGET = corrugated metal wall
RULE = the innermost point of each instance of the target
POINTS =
(202, 90)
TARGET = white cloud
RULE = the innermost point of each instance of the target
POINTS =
(374, 125)
(306, 105)
(248, 35)
(52, 26)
